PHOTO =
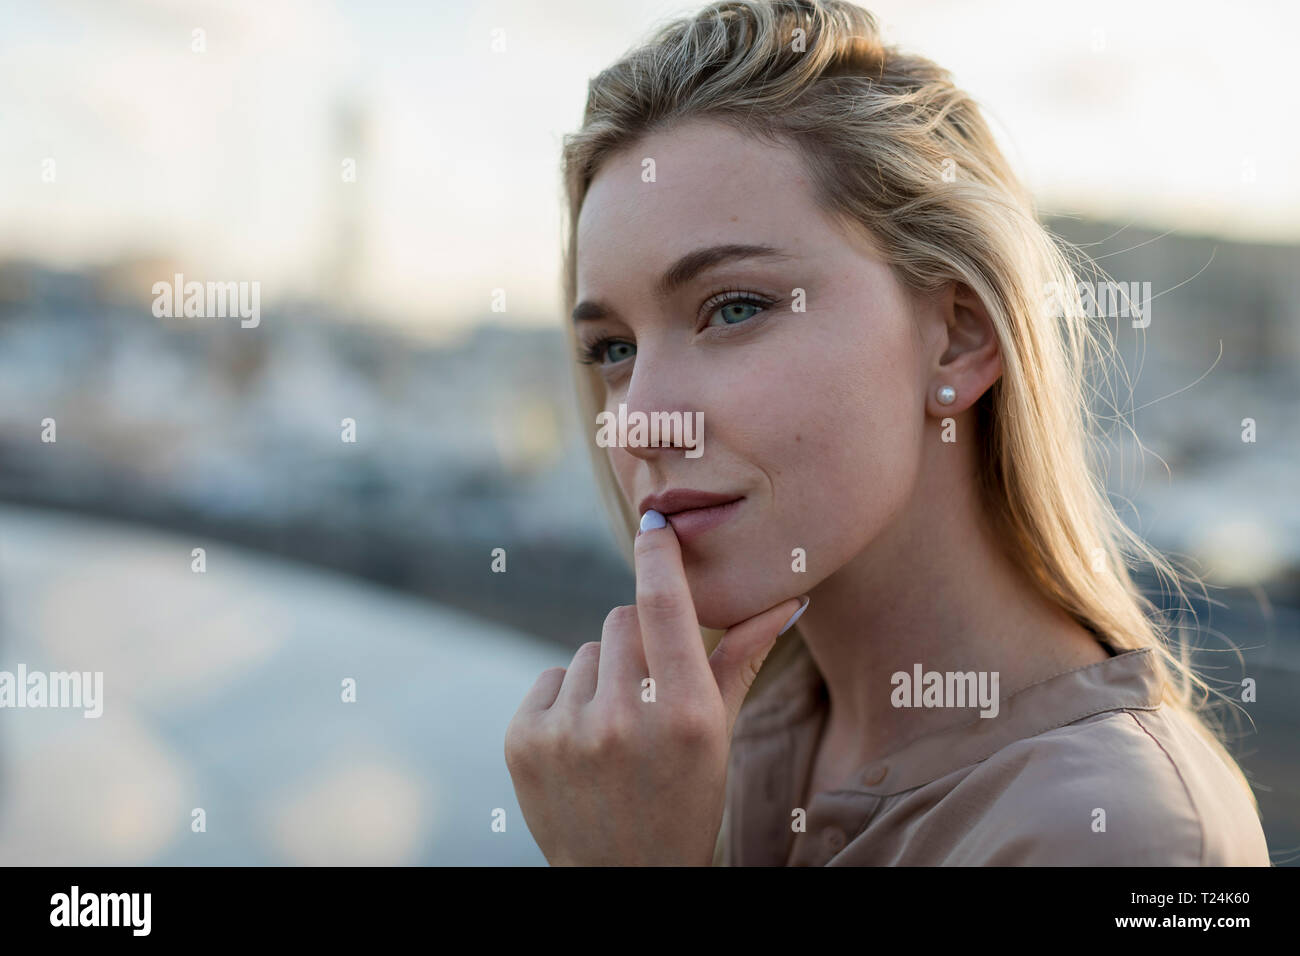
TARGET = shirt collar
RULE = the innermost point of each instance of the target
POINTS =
(1129, 680)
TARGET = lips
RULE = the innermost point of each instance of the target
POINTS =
(684, 499)
(692, 513)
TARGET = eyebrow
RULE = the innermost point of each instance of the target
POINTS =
(684, 270)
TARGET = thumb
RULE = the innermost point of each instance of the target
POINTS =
(742, 649)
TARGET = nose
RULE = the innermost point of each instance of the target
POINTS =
(658, 408)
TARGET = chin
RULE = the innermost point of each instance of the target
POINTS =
(727, 592)
(719, 613)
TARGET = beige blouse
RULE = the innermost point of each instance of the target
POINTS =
(1084, 768)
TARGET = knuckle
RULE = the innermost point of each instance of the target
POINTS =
(656, 600)
(555, 739)
(603, 740)
(694, 725)
(750, 669)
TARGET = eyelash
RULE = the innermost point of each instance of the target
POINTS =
(590, 353)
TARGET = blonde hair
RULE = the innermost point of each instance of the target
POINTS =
(896, 150)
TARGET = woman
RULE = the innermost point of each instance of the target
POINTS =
(894, 453)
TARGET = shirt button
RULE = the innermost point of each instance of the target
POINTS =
(833, 839)
(873, 777)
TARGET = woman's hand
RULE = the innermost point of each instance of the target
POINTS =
(613, 769)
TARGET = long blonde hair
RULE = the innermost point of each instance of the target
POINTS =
(895, 149)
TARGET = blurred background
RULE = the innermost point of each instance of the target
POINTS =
(388, 173)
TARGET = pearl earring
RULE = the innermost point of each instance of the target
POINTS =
(947, 395)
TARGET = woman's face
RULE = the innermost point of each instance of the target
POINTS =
(814, 418)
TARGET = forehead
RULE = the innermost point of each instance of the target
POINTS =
(712, 184)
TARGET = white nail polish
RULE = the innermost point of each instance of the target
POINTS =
(790, 623)
(651, 520)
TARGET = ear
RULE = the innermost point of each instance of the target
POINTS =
(968, 356)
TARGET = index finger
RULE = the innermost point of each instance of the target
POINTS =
(670, 632)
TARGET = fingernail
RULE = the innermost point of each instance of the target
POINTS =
(790, 623)
(651, 520)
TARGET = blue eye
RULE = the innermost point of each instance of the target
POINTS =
(734, 310)
(617, 351)
(603, 348)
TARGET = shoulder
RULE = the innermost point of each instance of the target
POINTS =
(1126, 787)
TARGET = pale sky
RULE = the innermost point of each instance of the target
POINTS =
(1149, 112)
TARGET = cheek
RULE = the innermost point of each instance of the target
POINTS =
(837, 433)
(852, 431)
